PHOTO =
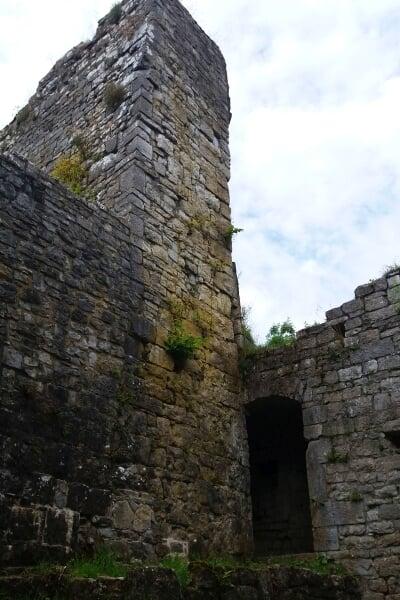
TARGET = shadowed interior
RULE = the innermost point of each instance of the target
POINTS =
(279, 487)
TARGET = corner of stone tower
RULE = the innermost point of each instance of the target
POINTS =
(138, 257)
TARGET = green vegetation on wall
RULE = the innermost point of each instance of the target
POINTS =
(230, 233)
(335, 457)
(103, 564)
(181, 345)
(114, 95)
(24, 115)
(70, 171)
(115, 14)
(281, 334)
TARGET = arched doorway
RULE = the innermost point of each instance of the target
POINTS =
(279, 487)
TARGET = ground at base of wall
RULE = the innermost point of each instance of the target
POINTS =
(203, 583)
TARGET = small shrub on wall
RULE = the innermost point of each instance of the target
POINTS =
(114, 95)
(24, 115)
(230, 233)
(71, 171)
(181, 345)
(115, 14)
(281, 334)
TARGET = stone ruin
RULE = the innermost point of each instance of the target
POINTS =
(104, 439)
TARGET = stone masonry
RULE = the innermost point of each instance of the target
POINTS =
(345, 374)
(101, 434)
(103, 438)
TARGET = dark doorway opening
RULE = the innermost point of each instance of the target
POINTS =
(279, 487)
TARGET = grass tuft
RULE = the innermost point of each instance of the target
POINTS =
(180, 565)
(319, 564)
(103, 564)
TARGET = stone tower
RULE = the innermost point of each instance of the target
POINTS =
(104, 437)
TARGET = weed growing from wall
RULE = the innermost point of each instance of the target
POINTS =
(70, 171)
(178, 310)
(199, 223)
(114, 95)
(355, 497)
(204, 321)
(181, 345)
(230, 233)
(126, 390)
(80, 143)
(318, 563)
(115, 14)
(249, 345)
(180, 565)
(24, 115)
(103, 564)
(335, 457)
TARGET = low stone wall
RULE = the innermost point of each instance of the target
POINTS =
(275, 583)
(345, 374)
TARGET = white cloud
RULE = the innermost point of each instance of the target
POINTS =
(315, 89)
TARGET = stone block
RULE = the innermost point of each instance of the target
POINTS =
(326, 539)
(152, 584)
(375, 302)
(133, 180)
(12, 358)
(393, 281)
(353, 307)
(122, 515)
(144, 329)
(350, 373)
(334, 313)
(61, 527)
(364, 290)
(394, 295)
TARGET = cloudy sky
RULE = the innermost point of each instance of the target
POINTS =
(315, 136)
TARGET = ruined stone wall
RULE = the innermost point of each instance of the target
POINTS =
(346, 375)
(160, 162)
